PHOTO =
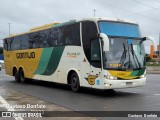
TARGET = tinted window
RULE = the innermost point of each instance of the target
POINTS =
(89, 31)
(119, 29)
(9, 41)
(24, 42)
(5, 44)
(15, 43)
(54, 36)
(35, 40)
(66, 35)
(40, 39)
(95, 50)
(95, 53)
(72, 34)
(60, 36)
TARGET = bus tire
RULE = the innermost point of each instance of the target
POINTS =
(21, 76)
(16, 75)
(75, 85)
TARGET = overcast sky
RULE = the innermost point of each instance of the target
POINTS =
(25, 14)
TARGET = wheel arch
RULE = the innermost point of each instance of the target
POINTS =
(22, 68)
(70, 73)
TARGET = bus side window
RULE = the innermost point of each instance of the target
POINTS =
(72, 34)
(5, 44)
(24, 42)
(95, 53)
(52, 37)
(9, 42)
(95, 50)
(15, 43)
(76, 34)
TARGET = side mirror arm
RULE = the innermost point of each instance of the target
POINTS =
(154, 43)
(105, 40)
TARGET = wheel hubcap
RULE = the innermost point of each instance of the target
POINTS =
(74, 82)
(16, 76)
(22, 76)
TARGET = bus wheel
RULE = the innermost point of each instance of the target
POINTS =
(16, 76)
(21, 76)
(75, 86)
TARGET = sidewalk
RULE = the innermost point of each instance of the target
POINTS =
(153, 69)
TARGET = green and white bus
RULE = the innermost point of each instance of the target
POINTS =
(98, 53)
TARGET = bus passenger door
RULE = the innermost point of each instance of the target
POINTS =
(91, 68)
(95, 67)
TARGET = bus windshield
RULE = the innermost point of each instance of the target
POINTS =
(126, 49)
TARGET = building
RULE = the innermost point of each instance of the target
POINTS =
(155, 55)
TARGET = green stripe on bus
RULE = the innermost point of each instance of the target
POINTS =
(141, 72)
(52, 62)
(44, 60)
(138, 72)
(134, 73)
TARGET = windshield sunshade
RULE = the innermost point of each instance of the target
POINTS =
(119, 29)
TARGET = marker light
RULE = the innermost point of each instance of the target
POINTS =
(110, 77)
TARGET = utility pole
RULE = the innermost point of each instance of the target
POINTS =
(9, 28)
(159, 37)
(159, 46)
(94, 12)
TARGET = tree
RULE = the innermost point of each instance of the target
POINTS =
(148, 58)
(1, 50)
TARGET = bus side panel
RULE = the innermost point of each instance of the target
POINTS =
(8, 62)
(74, 59)
(26, 59)
(71, 60)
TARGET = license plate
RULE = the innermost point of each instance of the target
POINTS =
(129, 83)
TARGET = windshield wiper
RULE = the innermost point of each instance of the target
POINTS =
(133, 54)
(123, 57)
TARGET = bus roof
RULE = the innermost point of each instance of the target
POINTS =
(35, 29)
(57, 24)
(107, 19)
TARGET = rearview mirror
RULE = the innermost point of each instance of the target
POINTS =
(105, 40)
(153, 40)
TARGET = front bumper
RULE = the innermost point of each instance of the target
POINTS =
(115, 84)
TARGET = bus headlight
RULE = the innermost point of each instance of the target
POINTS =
(143, 76)
(110, 77)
